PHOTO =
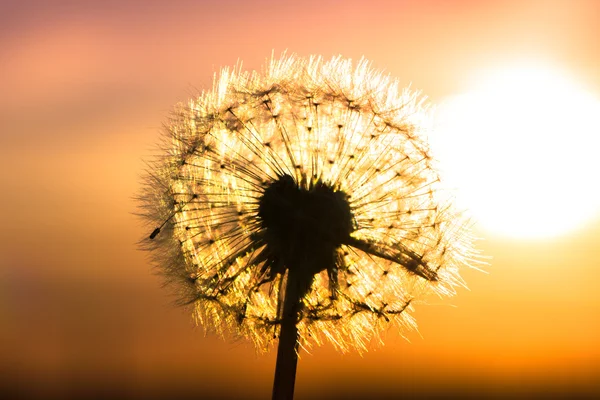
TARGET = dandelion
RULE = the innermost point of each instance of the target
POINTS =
(302, 205)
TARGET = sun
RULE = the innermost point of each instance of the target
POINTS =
(521, 148)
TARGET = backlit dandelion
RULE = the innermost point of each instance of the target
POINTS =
(301, 204)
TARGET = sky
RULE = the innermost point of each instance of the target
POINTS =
(84, 89)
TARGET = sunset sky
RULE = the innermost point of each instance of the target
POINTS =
(85, 87)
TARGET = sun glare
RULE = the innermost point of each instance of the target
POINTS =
(521, 148)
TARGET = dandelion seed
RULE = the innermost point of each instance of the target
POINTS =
(304, 195)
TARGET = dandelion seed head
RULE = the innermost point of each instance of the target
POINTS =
(312, 166)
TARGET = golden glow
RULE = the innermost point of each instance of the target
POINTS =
(345, 125)
(522, 149)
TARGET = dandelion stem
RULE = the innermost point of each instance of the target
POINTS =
(287, 350)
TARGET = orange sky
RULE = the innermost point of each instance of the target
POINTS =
(84, 88)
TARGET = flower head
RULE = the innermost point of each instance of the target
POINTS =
(312, 170)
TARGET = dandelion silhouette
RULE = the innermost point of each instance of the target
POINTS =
(301, 205)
